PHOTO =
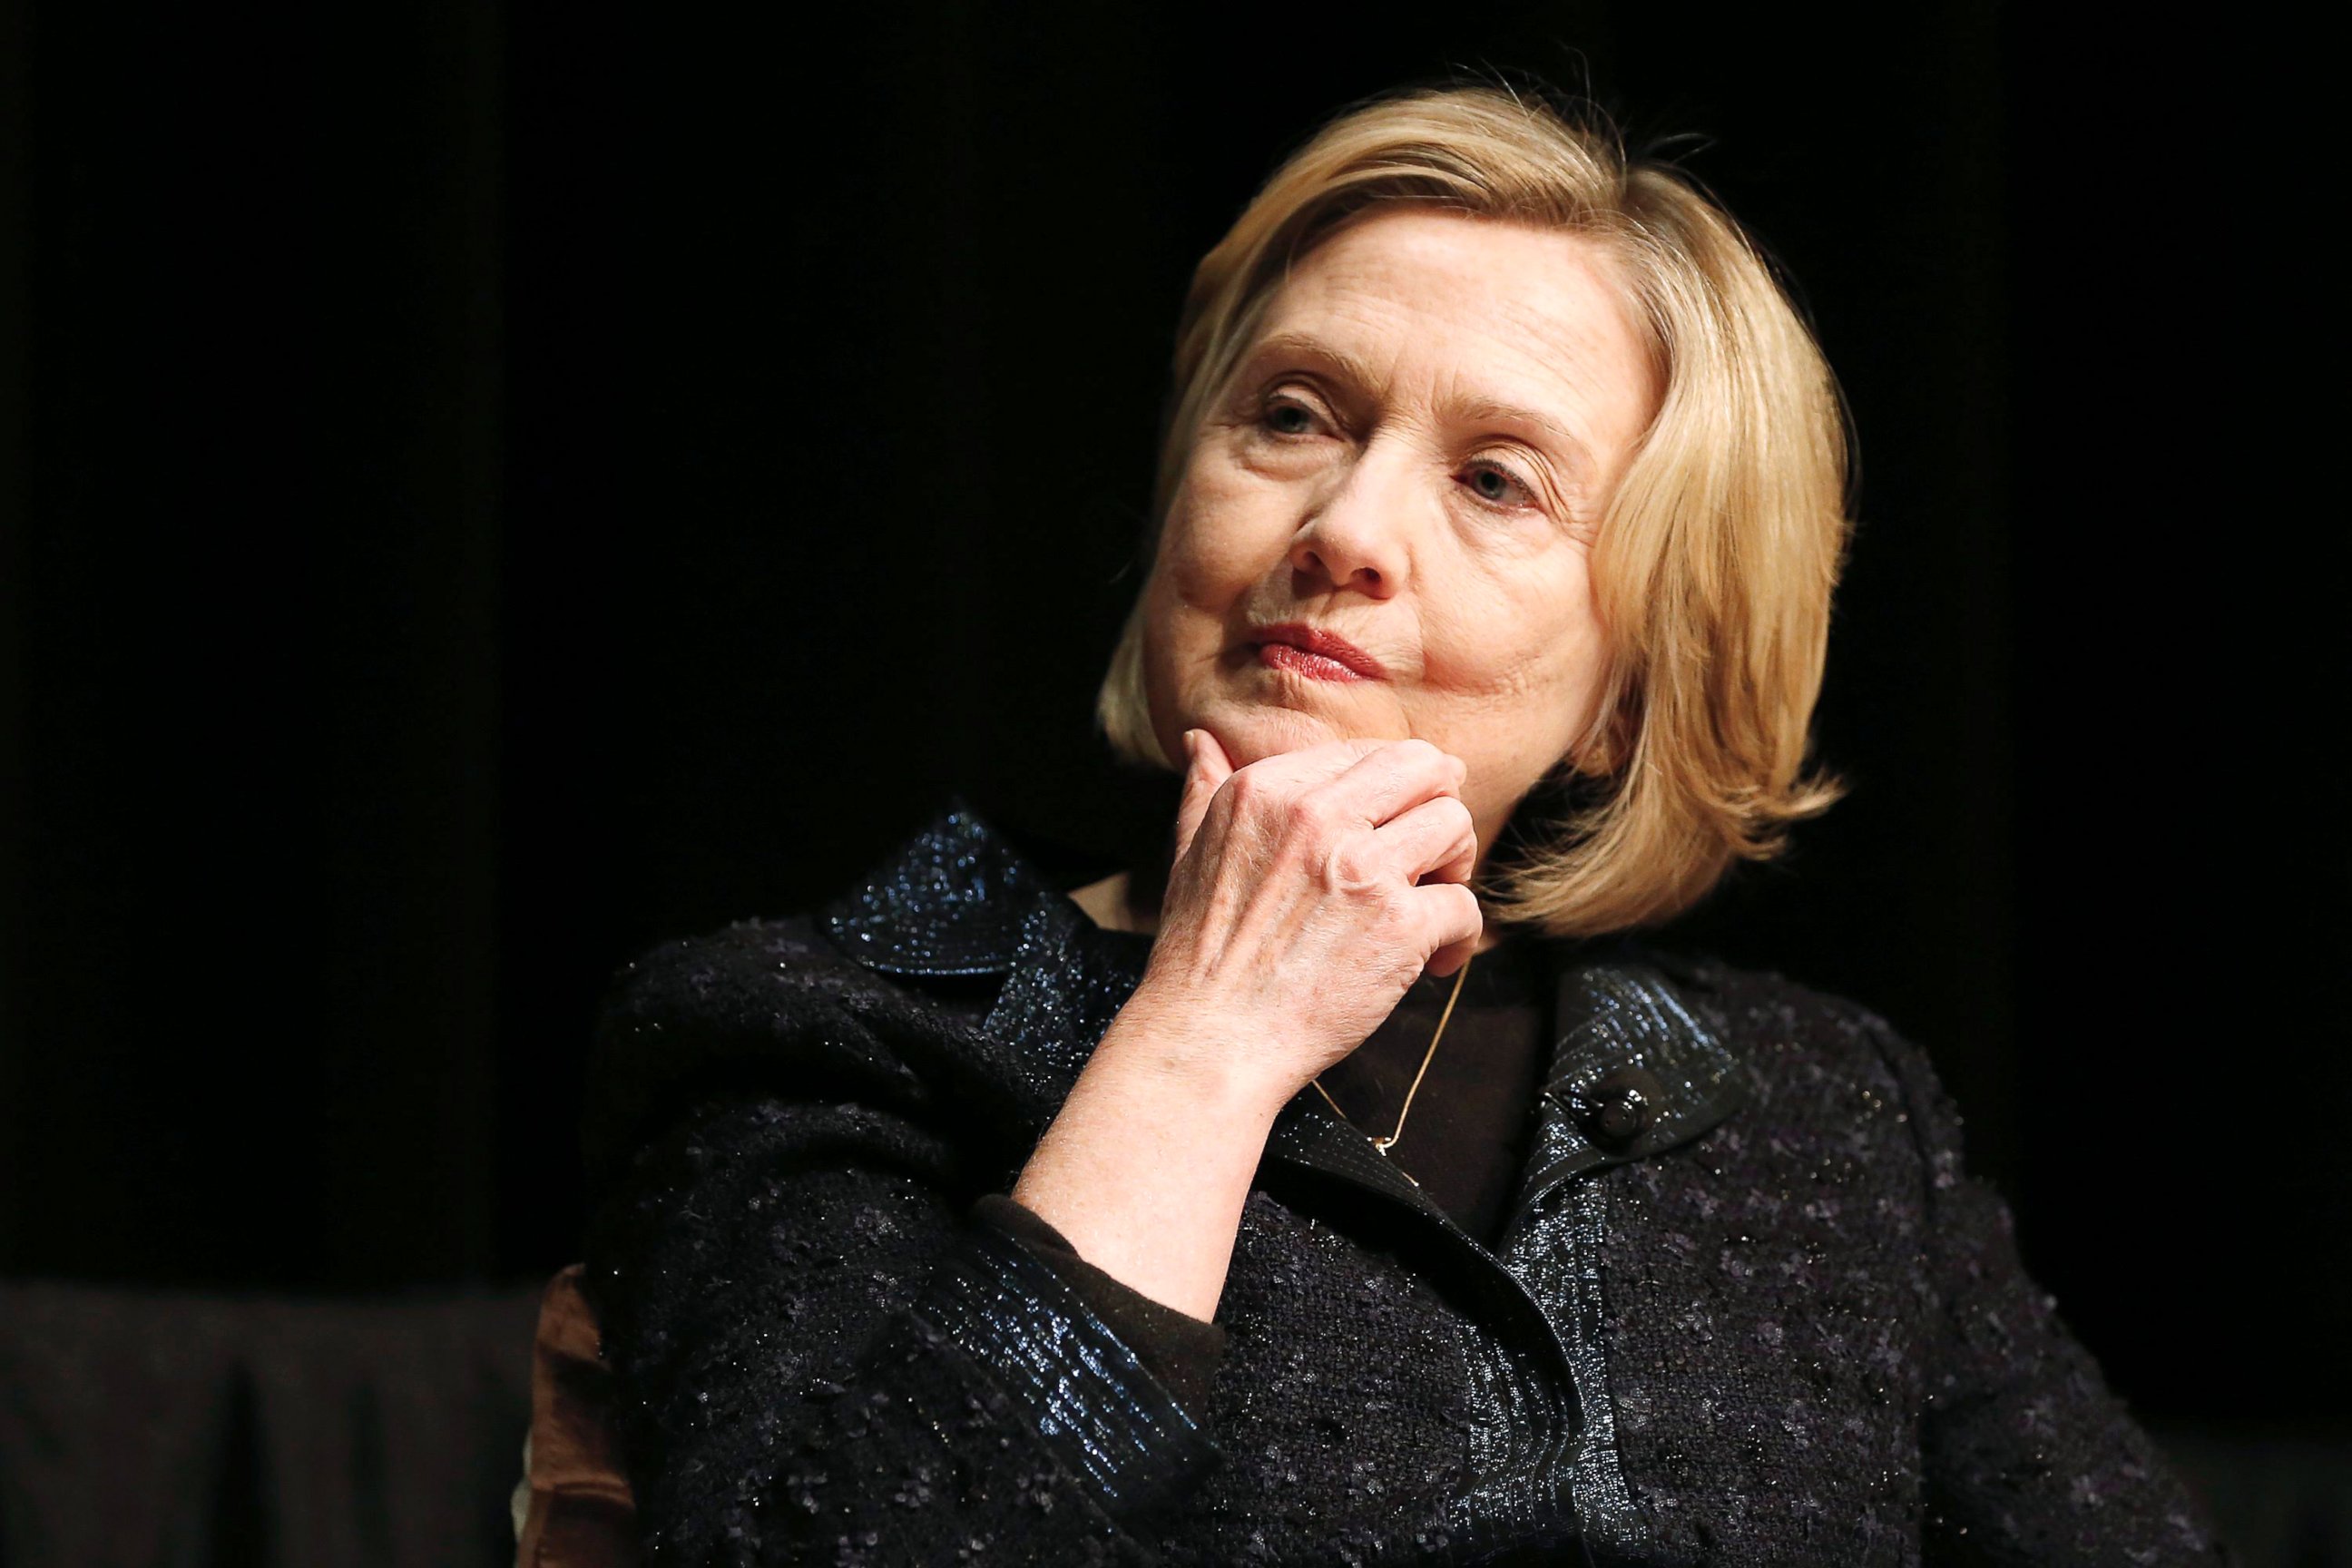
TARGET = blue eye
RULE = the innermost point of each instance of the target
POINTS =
(1497, 486)
(1276, 412)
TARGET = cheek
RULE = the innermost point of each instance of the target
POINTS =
(1216, 546)
(1193, 589)
(1520, 638)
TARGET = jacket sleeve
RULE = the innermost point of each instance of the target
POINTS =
(2030, 1457)
(1179, 1349)
(826, 1349)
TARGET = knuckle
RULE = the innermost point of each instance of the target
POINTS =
(1316, 817)
(1353, 867)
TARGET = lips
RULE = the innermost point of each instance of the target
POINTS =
(1311, 652)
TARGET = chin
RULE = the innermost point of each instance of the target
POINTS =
(1252, 731)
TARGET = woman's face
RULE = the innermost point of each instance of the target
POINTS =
(1412, 458)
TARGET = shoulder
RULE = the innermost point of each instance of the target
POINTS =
(744, 979)
(1812, 1056)
(767, 1007)
(936, 919)
(873, 997)
(1761, 1009)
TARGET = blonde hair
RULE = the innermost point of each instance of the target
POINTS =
(1714, 565)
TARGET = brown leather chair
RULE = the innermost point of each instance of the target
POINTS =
(574, 1508)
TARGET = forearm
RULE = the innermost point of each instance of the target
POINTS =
(1147, 1167)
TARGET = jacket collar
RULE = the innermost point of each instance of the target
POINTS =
(1636, 1071)
(949, 900)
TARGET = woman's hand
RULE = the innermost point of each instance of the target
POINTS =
(1309, 891)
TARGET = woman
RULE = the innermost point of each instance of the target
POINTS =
(1348, 1185)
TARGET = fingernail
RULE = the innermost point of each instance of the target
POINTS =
(1192, 746)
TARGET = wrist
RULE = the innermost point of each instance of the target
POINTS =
(1146, 1168)
(1221, 1071)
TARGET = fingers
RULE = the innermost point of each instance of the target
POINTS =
(1409, 794)
(1454, 919)
(1206, 767)
(1395, 778)
(1367, 783)
(1434, 847)
(1436, 841)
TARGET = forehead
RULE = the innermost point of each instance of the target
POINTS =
(1473, 308)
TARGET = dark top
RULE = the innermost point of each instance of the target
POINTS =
(1747, 1305)
(1468, 1132)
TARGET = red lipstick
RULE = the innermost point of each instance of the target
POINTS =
(1314, 653)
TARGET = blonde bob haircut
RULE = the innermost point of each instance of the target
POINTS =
(1714, 562)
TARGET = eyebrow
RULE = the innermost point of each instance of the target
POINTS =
(1479, 410)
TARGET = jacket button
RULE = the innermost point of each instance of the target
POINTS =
(1622, 1106)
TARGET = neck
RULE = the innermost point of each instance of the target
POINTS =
(1129, 900)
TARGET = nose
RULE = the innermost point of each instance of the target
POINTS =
(1355, 534)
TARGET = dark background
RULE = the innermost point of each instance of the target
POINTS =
(484, 491)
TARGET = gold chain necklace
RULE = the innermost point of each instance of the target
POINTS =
(1384, 1144)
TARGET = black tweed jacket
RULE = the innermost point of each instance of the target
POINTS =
(1751, 1309)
